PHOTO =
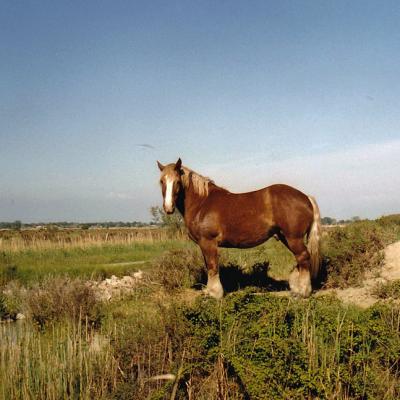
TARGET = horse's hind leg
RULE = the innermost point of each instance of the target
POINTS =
(300, 278)
(210, 253)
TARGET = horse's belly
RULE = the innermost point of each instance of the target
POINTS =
(245, 235)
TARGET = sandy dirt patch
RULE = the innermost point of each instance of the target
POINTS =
(363, 296)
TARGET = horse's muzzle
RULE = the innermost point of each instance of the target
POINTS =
(169, 210)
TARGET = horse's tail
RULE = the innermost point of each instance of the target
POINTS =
(314, 238)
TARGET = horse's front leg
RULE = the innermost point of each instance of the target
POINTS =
(209, 249)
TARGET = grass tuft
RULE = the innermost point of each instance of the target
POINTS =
(388, 290)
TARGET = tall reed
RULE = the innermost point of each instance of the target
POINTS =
(65, 362)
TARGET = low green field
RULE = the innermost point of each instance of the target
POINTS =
(33, 265)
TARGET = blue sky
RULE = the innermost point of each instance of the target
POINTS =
(249, 93)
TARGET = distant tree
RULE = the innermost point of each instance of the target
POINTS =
(17, 225)
(174, 222)
(51, 228)
(328, 221)
(356, 218)
(156, 215)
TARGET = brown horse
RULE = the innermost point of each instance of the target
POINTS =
(215, 217)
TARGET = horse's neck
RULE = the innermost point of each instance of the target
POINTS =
(189, 203)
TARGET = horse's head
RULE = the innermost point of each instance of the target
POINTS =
(171, 184)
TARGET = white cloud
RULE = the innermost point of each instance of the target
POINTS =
(120, 196)
(363, 180)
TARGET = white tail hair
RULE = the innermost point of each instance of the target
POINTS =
(314, 240)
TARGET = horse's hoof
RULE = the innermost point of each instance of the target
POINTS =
(214, 287)
(212, 293)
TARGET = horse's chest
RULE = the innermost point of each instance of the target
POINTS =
(204, 226)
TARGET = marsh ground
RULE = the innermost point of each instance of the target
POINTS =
(163, 339)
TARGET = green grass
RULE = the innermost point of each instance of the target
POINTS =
(29, 266)
(348, 253)
(284, 349)
(281, 261)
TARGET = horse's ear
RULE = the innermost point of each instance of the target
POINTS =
(178, 164)
(160, 166)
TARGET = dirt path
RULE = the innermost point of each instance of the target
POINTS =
(121, 264)
(363, 295)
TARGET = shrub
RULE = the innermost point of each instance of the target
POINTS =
(58, 298)
(351, 251)
(388, 290)
(12, 297)
(178, 269)
(151, 340)
(276, 348)
(391, 223)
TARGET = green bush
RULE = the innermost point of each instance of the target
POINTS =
(391, 223)
(11, 300)
(351, 251)
(149, 339)
(177, 269)
(388, 290)
(55, 299)
(280, 349)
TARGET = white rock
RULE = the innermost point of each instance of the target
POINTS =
(138, 275)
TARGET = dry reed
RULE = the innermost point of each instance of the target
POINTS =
(69, 361)
(15, 241)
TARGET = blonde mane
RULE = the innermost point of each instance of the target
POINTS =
(200, 183)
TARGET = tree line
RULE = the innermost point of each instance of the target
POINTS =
(18, 225)
(158, 218)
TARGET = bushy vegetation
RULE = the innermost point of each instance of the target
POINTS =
(388, 290)
(391, 224)
(180, 268)
(173, 223)
(57, 299)
(280, 349)
(52, 300)
(349, 252)
(248, 346)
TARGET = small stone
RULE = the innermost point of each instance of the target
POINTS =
(138, 275)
